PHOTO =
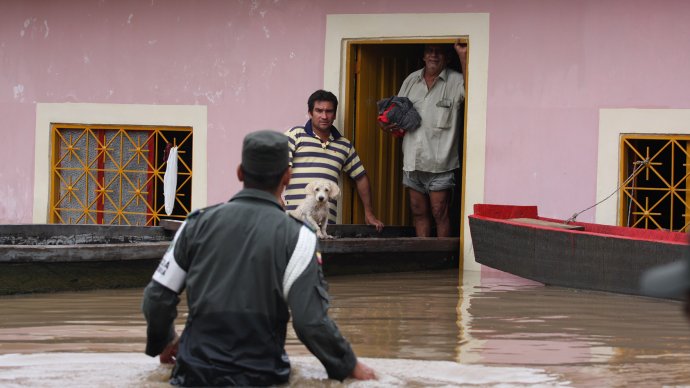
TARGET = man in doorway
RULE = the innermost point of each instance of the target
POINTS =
(319, 151)
(245, 265)
(430, 153)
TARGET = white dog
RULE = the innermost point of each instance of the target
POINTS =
(314, 208)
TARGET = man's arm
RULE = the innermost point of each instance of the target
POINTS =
(364, 191)
(461, 50)
(318, 332)
(309, 302)
(160, 310)
(161, 298)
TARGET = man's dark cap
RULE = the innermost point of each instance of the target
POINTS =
(265, 153)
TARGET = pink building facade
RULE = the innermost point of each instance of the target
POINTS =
(551, 84)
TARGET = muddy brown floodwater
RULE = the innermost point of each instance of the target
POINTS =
(415, 329)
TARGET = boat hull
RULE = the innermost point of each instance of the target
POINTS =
(47, 258)
(41, 277)
(571, 258)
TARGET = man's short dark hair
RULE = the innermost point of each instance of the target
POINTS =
(322, 95)
(265, 182)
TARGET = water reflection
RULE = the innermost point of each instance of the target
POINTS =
(416, 329)
(589, 338)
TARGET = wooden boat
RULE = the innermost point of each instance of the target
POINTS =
(46, 258)
(360, 249)
(49, 257)
(515, 239)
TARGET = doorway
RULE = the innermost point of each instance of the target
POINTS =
(376, 69)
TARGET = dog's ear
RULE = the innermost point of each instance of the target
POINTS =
(310, 187)
(335, 190)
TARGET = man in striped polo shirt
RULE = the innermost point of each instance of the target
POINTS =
(319, 151)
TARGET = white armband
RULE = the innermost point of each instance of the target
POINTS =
(300, 259)
(169, 273)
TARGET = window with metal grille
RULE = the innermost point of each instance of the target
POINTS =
(106, 174)
(655, 170)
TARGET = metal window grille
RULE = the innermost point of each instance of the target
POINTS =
(657, 195)
(106, 174)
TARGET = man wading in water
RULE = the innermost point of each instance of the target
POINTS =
(245, 266)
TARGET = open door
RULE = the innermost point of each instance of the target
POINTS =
(376, 70)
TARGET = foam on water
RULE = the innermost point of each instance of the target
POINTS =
(136, 369)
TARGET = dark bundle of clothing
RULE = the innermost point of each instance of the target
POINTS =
(400, 111)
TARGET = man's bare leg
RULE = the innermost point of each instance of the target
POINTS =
(440, 203)
(421, 214)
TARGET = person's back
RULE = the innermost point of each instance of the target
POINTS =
(235, 282)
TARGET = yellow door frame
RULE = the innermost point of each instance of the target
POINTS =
(387, 195)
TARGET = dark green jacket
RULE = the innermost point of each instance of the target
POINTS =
(236, 261)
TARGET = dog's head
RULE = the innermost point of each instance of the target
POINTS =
(323, 190)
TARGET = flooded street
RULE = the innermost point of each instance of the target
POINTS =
(414, 329)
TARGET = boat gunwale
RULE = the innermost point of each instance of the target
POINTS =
(672, 241)
(69, 253)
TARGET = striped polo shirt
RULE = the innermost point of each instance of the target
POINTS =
(311, 159)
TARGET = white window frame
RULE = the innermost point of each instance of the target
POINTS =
(194, 116)
(612, 124)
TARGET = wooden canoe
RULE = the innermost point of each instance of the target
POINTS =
(515, 239)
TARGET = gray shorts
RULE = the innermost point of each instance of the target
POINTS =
(424, 182)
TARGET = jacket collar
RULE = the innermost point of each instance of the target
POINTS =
(257, 194)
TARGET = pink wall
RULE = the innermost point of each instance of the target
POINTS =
(552, 65)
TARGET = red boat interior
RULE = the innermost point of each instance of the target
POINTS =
(519, 214)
